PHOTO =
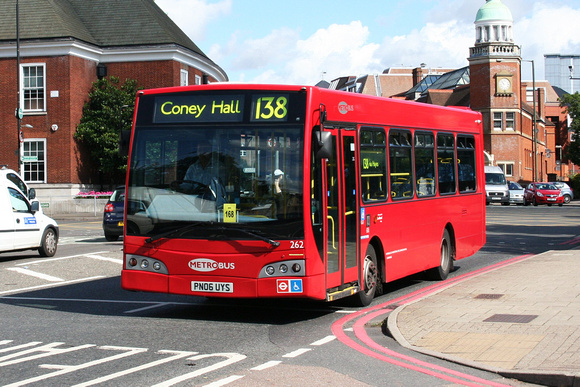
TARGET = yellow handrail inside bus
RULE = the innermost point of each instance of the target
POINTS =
(333, 241)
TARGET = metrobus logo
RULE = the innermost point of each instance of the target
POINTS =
(344, 108)
(206, 264)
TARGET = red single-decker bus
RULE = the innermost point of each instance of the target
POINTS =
(252, 191)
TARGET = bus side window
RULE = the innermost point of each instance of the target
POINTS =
(373, 164)
(466, 163)
(401, 165)
(446, 163)
(425, 163)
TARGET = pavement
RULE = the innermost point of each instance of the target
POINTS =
(519, 319)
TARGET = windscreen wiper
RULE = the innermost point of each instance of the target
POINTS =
(172, 232)
(252, 234)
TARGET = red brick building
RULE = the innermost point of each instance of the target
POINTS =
(66, 45)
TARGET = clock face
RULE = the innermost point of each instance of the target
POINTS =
(504, 84)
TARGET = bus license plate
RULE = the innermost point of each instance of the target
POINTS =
(212, 287)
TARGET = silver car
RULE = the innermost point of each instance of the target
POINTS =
(516, 193)
(566, 190)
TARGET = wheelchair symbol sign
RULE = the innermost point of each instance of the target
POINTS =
(289, 286)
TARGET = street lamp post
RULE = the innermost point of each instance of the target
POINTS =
(534, 124)
(18, 112)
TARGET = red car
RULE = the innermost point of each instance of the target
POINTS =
(543, 193)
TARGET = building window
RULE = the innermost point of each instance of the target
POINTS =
(33, 87)
(508, 168)
(184, 78)
(197, 79)
(34, 160)
(498, 121)
(510, 121)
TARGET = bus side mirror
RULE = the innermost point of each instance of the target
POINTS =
(31, 194)
(323, 144)
(124, 142)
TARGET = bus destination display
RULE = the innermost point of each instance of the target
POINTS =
(219, 108)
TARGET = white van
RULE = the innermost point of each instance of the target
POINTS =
(22, 225)
(13, 176)
(496, 186)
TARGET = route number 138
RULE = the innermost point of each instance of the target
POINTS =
(271, 108)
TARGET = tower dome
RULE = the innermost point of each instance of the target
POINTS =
(494, 10)
(493, 23)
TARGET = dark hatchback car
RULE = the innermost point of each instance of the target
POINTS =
(113, 215)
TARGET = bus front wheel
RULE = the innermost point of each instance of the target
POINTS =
(370, 278)
(441, 272)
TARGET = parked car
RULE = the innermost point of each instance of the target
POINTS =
(566, 190)
(113, 215)
(543, 193)
(516, 193)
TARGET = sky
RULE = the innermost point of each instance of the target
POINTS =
(305, 41)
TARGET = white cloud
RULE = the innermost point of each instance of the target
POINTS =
(548, 30)
(437, 45)
(285, 58)
(193, 16)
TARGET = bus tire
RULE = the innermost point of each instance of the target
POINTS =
(441, 272)
(48, 243)
(370, 279)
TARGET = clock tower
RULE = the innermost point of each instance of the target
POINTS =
(494, 65)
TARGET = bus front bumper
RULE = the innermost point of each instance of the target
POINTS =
(224, 287)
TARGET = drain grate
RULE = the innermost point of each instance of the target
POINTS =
(489, 296)
(511, 318)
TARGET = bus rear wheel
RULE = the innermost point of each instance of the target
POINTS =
(370, 279)
(441, 272)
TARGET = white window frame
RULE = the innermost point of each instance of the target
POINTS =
(508, 172)
(183, 77)
(197, 79)
(24, 174)
(512, 120)
(22, 89)
(500, 120)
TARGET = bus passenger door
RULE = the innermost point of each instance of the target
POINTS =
(341, 253)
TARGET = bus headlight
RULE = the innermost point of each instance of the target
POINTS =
(291, 268)
(139, 262)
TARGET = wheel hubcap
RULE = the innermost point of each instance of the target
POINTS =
(370, 274)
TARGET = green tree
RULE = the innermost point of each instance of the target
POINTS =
(108, 111)
(571, 103)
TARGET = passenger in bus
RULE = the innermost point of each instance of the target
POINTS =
(278, 177)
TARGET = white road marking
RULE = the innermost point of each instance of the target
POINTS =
(49, 285)
(296, 353)
(156, 305)
(327, 339)
(101, 258)
(31, 273)
(225, 381)
(65, 369)
(231, 358)
(266, 365)
(176, 355)
(45, 260)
